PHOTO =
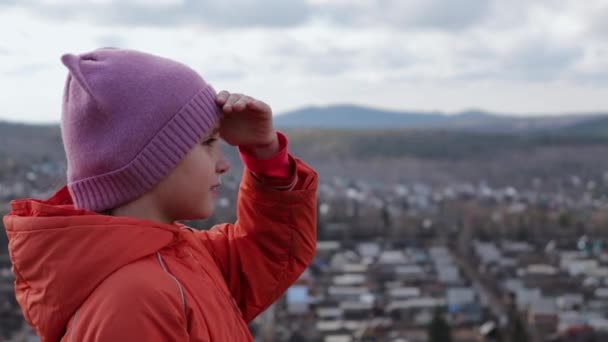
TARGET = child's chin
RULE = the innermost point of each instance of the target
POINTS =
(200, 215)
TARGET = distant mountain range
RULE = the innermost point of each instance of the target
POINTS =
(362, 131)
(359, 142)
(357, 117)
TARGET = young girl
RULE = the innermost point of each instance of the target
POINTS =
(104, 259)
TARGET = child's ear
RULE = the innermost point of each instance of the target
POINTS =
(72, 62)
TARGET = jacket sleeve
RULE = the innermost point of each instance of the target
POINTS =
(271, 243)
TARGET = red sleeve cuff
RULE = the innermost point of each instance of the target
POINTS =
(277, 167)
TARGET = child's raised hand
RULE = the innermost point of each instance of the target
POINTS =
(247, 122)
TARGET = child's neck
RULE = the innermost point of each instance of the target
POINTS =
(142, 208)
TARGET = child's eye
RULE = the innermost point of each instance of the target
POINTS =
(209, 142)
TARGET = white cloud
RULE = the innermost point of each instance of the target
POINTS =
(518, 56)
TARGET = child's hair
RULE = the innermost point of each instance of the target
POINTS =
(128, 118)
(107, 212)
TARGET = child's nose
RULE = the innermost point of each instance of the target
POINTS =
(223, 165)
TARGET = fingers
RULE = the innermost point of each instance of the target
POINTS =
(232, 102)
(239, 102)
(228, 101)
(221, 98)
(258, 105)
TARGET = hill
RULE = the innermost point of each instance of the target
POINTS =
(572, 146)
(357, 117)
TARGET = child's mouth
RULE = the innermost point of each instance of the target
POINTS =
(215, 190)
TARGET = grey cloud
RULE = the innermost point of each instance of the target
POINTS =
(327, 66)
(410, 14)
(332, 60)
(394, 58)
(540, 60)
(599, 24)
(4, 51)
(425, 14)
(535, 60)
(599, 78)
(234, 13)
(450, 15)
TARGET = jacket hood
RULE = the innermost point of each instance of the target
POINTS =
(60, 254)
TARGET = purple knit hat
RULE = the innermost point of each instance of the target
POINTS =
(128, 118)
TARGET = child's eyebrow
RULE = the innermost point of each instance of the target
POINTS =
(213, 132)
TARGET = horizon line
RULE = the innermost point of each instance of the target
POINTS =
(387, 110)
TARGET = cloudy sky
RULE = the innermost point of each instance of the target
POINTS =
(507, 56)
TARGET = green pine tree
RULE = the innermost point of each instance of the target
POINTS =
(517, 329)
(439, 330)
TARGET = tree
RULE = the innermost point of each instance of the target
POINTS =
(439, 330)
(565, 220)
(516, 331)
(386, 216)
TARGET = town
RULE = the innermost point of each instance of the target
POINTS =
(417, 262)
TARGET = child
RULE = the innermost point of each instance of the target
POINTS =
(104, 259)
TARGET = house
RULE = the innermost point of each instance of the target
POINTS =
(543, 315)
(487, 252)
(576, 267)
(393, 257)
(449, 274)
(404, 292)
(416, 311)
(599, 324)
(463, 305)
(357, 310)
(460, 296)
(410, 273)
(526, 296)
(368, 249)
(570, 301)
(349, 279)
(601, 293)
(338, 338)
(568, 320)
(340, 293)
(297, 299)
(328, 247)
(329, 313)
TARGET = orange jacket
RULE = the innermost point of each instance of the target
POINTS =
(82, 276)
